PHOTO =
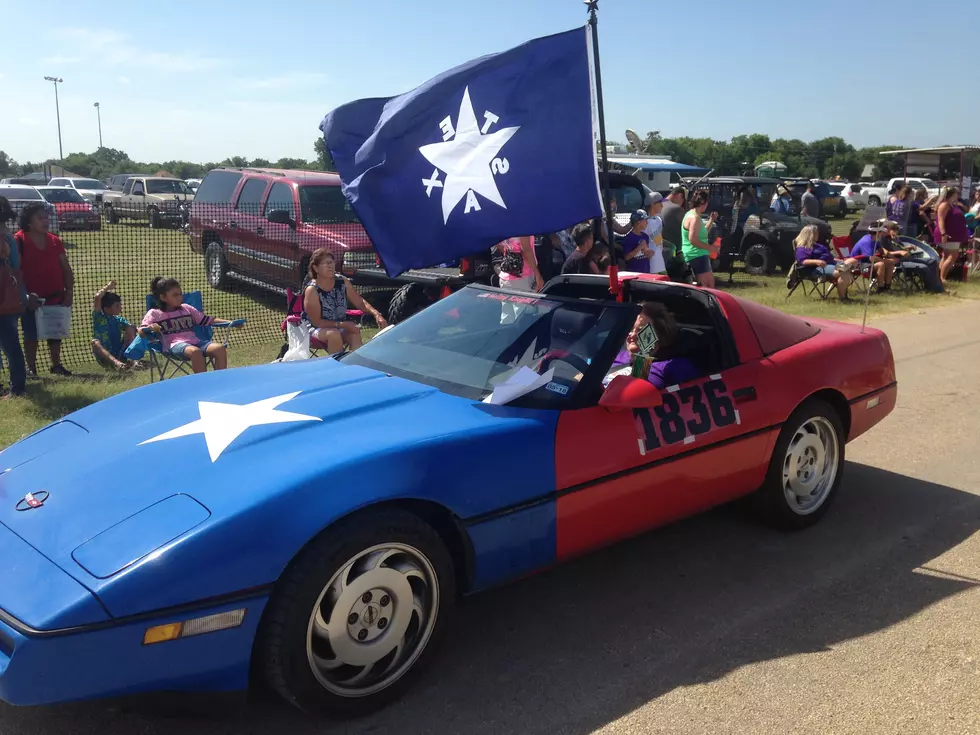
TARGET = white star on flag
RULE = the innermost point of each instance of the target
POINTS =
(222, 423)
(466, 159)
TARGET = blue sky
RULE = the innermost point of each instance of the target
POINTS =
(206, 80)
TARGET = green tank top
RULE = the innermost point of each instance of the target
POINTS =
(690, 251)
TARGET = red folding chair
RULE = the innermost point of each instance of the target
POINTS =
(863, 271)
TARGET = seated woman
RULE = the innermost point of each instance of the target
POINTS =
(814, 259)
(325, 305)
(665, 370)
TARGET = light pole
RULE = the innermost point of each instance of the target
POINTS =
(57, 109)
(98, 111)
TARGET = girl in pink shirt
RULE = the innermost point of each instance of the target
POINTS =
(519, 269)
(174, 321)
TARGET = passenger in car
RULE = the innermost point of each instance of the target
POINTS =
(668, 368)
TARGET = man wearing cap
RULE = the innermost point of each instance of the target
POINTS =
(636, 244)
(781, 203)
(655, 229)
(672, 215)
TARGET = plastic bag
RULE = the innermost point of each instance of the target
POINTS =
(53, 322)
(298, 337)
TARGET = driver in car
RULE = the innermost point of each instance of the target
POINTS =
(665, 370)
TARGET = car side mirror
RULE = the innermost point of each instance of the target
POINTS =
(281, 217)
(626, 392)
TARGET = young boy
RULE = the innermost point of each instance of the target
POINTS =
(113, 334)
(636, 244)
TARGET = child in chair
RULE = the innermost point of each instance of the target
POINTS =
(111, 333)
(174, 321)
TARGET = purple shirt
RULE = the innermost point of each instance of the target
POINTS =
(663, 372)
(864, 248)
(641, 263)
(819, 251)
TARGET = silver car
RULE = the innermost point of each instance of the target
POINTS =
(90, 189)
(20, 196)
(854, 194)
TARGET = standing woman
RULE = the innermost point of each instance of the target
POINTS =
(694, 240)
(9, 337)
(916, 221)
(899, 208)
(519, 269)
(950, 233)
(47, 275)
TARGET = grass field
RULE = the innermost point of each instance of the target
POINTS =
(132, 254)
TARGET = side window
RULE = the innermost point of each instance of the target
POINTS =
(281, 197)
(218, 187)
(248, 200)
(58, 182)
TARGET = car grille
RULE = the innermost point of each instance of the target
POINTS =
(354, 260)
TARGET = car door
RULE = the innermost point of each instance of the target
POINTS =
(621, 472)
(278, 240)
(244, 229)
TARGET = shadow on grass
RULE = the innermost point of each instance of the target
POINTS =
(575, 648)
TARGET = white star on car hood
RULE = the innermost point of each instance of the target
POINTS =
(222, 423)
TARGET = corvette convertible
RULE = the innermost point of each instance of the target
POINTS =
(313, 523)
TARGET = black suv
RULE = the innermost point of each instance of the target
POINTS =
(765, 242)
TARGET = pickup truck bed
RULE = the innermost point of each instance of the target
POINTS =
(374, 275)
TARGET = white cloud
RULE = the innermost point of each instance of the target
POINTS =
(110, 48)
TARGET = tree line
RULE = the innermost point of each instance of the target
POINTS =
(106, 162)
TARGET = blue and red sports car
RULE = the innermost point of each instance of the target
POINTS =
(314, 522)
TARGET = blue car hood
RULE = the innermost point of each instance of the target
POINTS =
(115, 459)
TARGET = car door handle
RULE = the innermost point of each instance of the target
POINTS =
(744, 395)
(259, 230)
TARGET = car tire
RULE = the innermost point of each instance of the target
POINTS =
(811, 447)
(842, 210)
(874, 201)
(216, 266)
(759, 260)
(310, 646)
(153, 217)
(111, 217)
(407, 301)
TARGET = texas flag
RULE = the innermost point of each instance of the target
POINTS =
(498, 147)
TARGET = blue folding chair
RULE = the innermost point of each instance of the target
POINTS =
(163, 363)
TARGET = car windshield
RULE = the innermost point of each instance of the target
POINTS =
(325, 205)
(22, 193)
(59, 195)
(166, 186)
(89, 184)
(478, 338)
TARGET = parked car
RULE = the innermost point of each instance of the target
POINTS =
(91, 189)
(20, 196)
(193, 184)
(767, 238)
(156, 200)
(854, 195)
(332, 576)
(74, 211)
(831, 203)
(117, 182)
(879, 191)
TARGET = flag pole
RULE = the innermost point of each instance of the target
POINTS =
(614, 285)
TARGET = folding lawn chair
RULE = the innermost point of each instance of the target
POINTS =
(294, 311)
(864, 273)
(811, 284)
(163, 363)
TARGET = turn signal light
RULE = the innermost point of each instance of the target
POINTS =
(195, 626)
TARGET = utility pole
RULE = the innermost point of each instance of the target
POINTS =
(98, 111)
(57, 109)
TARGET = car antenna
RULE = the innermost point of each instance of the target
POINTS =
(867, 296)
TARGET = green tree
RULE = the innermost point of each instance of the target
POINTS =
(295, 163)
(323, 157)
(7, 165)
(261, 163)
(235, 162)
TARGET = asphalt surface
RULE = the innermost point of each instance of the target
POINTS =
(867, 623)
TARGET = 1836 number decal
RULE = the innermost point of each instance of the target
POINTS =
(686, 414)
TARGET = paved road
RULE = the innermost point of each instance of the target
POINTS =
(869, 623)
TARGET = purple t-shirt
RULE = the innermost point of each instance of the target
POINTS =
(818, 252)
(864, 248)
(663, 372)
(641, 263)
